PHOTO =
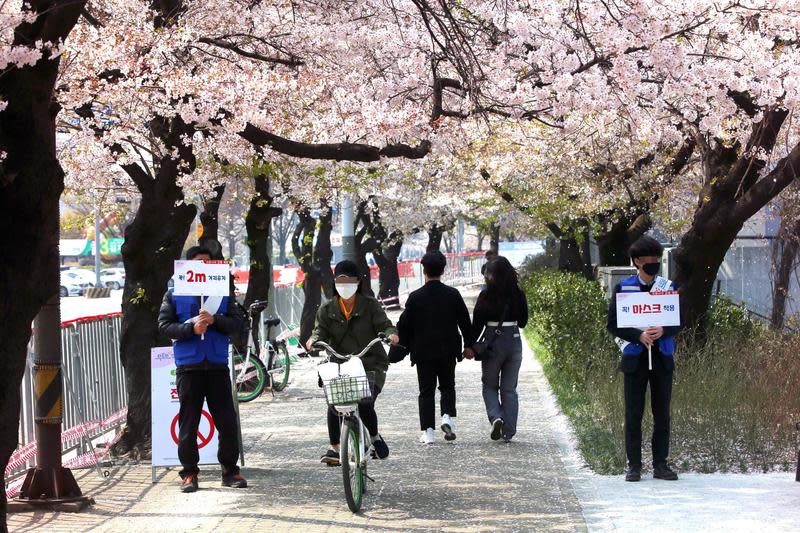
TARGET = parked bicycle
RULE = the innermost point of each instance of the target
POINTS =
(252, 373)
(346, 383)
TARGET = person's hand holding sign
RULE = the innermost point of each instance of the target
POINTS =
(206, 317)
(200, 327)
(651, 335)
(655, 332)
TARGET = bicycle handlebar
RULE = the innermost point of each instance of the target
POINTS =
(331, 352)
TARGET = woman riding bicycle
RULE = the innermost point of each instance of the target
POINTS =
(348, 322)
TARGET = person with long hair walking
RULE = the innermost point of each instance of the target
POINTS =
(501, 310)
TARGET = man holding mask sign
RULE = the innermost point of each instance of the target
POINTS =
(644, 326)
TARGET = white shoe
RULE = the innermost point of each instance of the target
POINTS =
(427, 437)
(449, 427)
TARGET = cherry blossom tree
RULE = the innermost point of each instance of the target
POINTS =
(32, 33)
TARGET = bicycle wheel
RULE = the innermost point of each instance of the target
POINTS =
(352, 471)
(279, 366)
(250, 381)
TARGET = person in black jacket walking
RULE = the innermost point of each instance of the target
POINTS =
(501, 310)
(429, 329)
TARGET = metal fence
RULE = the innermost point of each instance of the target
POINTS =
(289, 302)
(94, 397)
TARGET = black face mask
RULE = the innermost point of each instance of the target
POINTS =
(651, 269)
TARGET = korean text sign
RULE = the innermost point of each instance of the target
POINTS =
(202, 278)
(165, 408)
(648, 309)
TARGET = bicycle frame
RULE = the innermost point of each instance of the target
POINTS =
(350, 411)
(250, 350)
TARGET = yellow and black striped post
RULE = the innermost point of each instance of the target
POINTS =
(47, 389)
(49, 483)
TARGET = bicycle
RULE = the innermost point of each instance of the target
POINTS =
(252, 374)
(345, 385)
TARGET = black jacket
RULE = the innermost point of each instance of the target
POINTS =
(429, 326)
(227, 323)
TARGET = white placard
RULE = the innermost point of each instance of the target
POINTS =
(165, 407)
(202, 278)
(646, 309)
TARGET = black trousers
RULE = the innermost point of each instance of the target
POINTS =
(366, 410)
(429, 372)
(212, 384)
(660, 379)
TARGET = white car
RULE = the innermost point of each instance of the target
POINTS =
(113, 278)
(73, 283)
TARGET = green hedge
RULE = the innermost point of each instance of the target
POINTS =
(734, 401)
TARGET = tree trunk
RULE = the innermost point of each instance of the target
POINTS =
(303, 249)
(315, 260)
(494, 238)
(258, 223)
(569, 256)
(586, 256)
(613, 245)
(31, 182)
(363, 244)
(734, 191)
(323, 253)
(363, 267)
(787, 246)
(388, 273)
(435, 234)
(209, 218)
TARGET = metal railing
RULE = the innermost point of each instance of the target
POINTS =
(94, 396)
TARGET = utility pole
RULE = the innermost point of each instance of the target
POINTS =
(49, 485)
(97, 264)
(348, 229)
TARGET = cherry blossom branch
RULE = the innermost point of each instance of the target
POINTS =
(292, 61)
(343, 151)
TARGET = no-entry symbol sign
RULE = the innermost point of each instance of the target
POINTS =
(205, 432)
(165, 415)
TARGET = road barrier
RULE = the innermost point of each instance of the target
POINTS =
(97, 292)
(94, 402)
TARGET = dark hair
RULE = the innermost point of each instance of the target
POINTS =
(645, 246)
(433, 264)
(490, 254)
(194, 251)
(502, 285)
(348, 268)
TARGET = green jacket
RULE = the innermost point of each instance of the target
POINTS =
(349, 337)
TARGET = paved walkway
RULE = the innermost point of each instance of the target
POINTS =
(474, 484)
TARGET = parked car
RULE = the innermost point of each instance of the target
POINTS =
(73, 283)
(113, 278)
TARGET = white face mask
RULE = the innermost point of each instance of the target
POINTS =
(346, 290)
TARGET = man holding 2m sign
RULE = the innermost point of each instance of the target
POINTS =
(199, 314)
(643, 317)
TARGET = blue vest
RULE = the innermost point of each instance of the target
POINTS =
(665, 344)
(195, 350)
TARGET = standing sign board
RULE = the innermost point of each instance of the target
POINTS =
(165, 407)
(202, 278)
(648, 309)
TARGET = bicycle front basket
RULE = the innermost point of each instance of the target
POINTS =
(347, 390)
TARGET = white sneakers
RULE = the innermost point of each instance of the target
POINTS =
(449, 427)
